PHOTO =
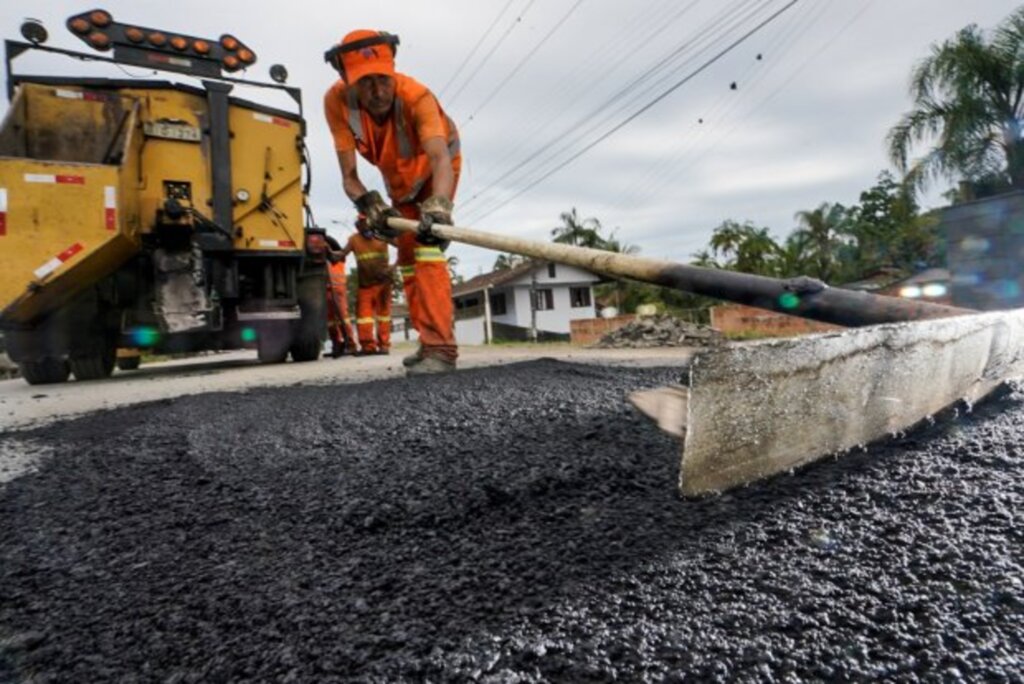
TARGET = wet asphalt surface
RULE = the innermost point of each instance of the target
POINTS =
(511, 524)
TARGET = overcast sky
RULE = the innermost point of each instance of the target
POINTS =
(532, 83)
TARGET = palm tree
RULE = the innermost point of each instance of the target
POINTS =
(575, 231)
(613, 244)
(506, 262)
(968, 98)
(821, 229)
(745, 247)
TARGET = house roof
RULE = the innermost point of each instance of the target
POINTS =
(495, 278)
(930, 275)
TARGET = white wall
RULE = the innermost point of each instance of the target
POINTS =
(470, 331)
(557, 319)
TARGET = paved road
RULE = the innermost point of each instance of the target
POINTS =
(22, 405)
(517, 523)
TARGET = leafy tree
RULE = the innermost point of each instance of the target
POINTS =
(744, 247)
(969, 100)
(579, 232)
(888, 231)
(505, 261)
(820, 231)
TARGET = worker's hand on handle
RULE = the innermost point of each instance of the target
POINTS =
(377, 212)
(435, 209)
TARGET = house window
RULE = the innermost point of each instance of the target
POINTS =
(467, 302)
(544, 300)
(579, 297)
(551, 271)
(498, 306)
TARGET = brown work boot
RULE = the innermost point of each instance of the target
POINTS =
(430, 365)
(413, 359)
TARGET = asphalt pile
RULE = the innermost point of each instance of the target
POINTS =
(660, 331)
(512, 524)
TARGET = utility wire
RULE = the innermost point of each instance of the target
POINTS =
(581, 79)
(487, 57)
(707, 123)
(678, 84)
(475, 47)
(565, 140)
(522, 62)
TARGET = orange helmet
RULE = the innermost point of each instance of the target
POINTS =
(364, 52)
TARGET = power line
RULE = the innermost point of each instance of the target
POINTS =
(476, 47)
(580, 78)
(523, 61)
(565, 140)
(828, 42)
(662, 173)
(487, 57)
(643, 109)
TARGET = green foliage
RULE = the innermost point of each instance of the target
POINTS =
(578, 232)
(506, 262)
(969, 103)
(835, 243)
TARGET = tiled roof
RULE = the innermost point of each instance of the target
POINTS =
(495, 278)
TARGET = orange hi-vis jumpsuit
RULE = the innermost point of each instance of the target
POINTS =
(373, 299)
(395, 149)
(339, 328)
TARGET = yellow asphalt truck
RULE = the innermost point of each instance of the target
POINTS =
(152, 215)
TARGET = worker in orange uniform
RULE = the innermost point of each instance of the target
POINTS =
(373, 298)
(397, 125)
(338, 327)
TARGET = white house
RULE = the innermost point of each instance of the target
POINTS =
(498, 304)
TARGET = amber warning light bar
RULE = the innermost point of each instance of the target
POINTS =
(157, 49)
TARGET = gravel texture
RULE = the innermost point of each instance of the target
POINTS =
(511, 524)
(661, 330)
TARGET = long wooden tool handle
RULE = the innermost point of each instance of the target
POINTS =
(804, 297)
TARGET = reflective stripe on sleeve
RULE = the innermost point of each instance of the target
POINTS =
(429, 254)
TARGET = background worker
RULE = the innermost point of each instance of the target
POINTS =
(338, 327)
(397, 125)
(373, 298)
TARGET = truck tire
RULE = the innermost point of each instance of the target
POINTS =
(273, 343)
(94, 366)
(312, 326)
(306, 348)
(129, 363)
(46, 372)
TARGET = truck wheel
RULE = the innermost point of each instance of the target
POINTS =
(45, 372)
(272, 344)
(129, 363)
(306, 348)
(94, 366)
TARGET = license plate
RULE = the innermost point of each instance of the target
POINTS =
(172, 131)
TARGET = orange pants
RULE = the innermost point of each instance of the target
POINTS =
(428, 291)
(373, 304)
(338, 327)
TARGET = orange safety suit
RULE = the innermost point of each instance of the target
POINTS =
(395, 149)
(339, 327)
(373, 299)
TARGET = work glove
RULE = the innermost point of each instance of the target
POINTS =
(377, 212)
(435, 209)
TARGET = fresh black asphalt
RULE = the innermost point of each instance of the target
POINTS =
(508, 524)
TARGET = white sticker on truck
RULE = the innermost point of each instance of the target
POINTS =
(57, 261)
